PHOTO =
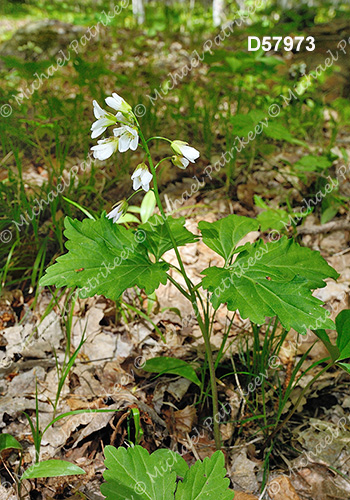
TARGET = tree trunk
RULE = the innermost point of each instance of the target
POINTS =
(218, 12)
(138, 11)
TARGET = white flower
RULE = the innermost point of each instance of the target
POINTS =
(183, 149)
(180, 161)
(141, 177)
(128, 138)
(118, 210)
(104, 120)
(118, 103)
(105, 148)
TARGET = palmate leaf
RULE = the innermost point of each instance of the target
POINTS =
(275, 279)
(157, 237)
(133, 473)
(104, 258)
(205, 480)
(223, 235)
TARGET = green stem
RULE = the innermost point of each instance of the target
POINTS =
(193, 299)
(179, 287)
(155, 137)
(294, 409)
(164, 159)
(133, 194)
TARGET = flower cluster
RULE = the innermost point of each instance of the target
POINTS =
(125, 137)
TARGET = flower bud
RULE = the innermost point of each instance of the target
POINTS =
(179, 161)
(119, 209)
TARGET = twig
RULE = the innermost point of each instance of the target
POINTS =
(341, 225)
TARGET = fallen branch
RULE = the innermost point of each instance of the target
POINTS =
(341, 225)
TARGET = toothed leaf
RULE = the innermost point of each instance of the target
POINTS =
(104, 258)
(273, 279)
(206, 480)
(223, 235)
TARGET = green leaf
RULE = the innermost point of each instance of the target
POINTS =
(223, 235)
(345, 366)
(332, 349)
(273, 279)
(128, 218)
(342, 322)
(328, 214)
(104, 258)
(147, 206)
(164, 364)
(135, 412)
(75, 204)
(273, 219)
(278, 132)
(7, 442)
(259, 202)
(134, 209)
(133, 473)
(174, 461)
(52, 468)
(157, 237)
(311, 163)
(245, 123)
(206, 480)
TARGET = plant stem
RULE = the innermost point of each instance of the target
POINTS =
(193, 299)
(294, 409)
(179, 287)
(168, 158)
(155, 137)
(133, 194)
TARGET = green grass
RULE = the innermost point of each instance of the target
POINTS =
(49, 131)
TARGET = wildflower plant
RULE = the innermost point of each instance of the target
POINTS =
(258, 279)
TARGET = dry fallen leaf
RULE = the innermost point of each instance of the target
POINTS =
(76, 403)
(281, 488)
(239, 495)
(184, 419)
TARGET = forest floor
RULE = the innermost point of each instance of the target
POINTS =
(49, 133)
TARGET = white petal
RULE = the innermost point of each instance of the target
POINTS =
(98, 111)
(101, 122)
(118, 131)
(97, 132)
(123, 105)
(115, 213)
(137, 173)
(190, 153)
(117, 97)
(112, 103)
(136, 183)
(130, 130)
(121, 118)
(124, 143)
(134, 143)
(185, 162)
(104, 150)
(146, 178)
